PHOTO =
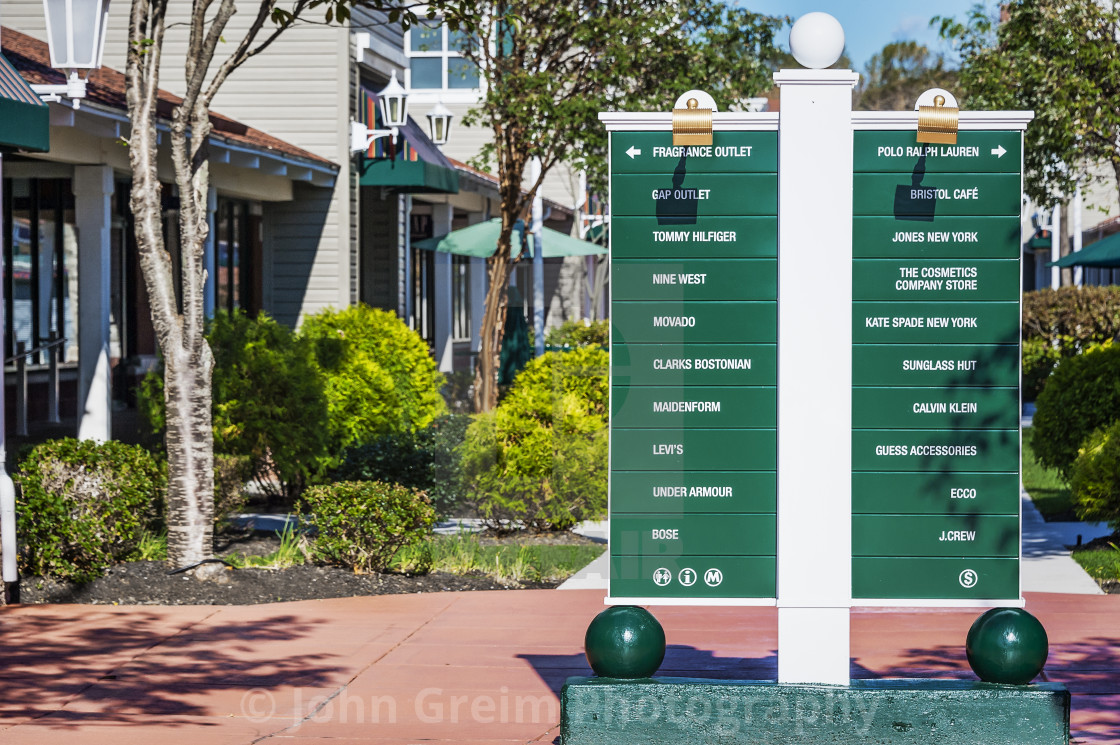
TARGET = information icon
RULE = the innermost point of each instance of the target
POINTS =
(713, 577)
(662, 577)
(968, 578)
(687, 577)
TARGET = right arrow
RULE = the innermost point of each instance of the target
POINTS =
(998, 151)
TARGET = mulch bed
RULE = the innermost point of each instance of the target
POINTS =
(148, 582)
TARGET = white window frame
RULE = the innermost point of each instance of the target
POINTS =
(444, 93)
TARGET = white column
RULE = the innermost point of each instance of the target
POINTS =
(404, 249)
(441, 225)
(9, 547)
(814, 375)
(93, 195)
(1056, 246)
(537, 228)
(209, 254)
(1075, 224)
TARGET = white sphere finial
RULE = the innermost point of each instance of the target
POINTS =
(816, 40)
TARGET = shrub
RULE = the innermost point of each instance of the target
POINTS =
(1095, 477)
(579, 334)
(425, 460)
(1083, 394)
(268, 402)
(1083, 314)
(1040, 357)
(86, 505)
(230, 474)
(379, 377)
(540, 457)
(362, 524)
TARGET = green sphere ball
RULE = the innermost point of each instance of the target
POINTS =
(625, 641)
(1007, 645)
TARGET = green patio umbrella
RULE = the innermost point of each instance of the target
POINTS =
(1104, 253)
(481, 240)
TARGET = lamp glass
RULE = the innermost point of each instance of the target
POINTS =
(75, 32)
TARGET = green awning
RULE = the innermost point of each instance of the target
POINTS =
(1103, 253)
(482, 240)
(1039, 242)
(410, 176)
(24, 119)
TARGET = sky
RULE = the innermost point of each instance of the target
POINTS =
(871, 24)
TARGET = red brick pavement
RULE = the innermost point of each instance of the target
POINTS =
(447, 667)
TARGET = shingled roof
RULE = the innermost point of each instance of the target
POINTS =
(106, 87)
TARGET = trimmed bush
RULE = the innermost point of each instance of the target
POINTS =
(268, 402)
(1083, 314)
(379, 378)
(540, 457)
(84, 505)
(579, 334)
(1040, 357)
(426, 460)
(362, 524)
(1095, 477)
(1082, 395)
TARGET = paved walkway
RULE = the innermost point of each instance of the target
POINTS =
(481, 667)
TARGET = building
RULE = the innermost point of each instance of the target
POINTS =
(299, 222)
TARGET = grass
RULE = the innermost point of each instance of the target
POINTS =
(1100, 563)
(463, 554)
(293, 551)
(1048, 490)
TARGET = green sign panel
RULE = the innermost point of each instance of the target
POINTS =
(941, 408)
(918, 200)
(695, 406)
(942, 236)
(730, 152)
(694, 535)
(935, 493)
(935, 450)
(961, 578)
(935, 366)
(695, 279)
(725, 577)
(646, 238)
(936, 279)
(974, 152)
(693, 449)
(935, 323)
(689, 322)
(694, 364)
(935, 535)
(710, 492)
(683, 201)
(693, 445)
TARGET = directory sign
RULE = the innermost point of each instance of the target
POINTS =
(935, 367)
(693, 367)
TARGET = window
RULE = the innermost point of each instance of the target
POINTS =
(235, 257)
(435, 59)
(41, 265)
(460, 297)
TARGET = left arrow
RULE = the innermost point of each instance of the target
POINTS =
(632, 151)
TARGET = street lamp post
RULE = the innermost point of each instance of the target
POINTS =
(393, 100)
